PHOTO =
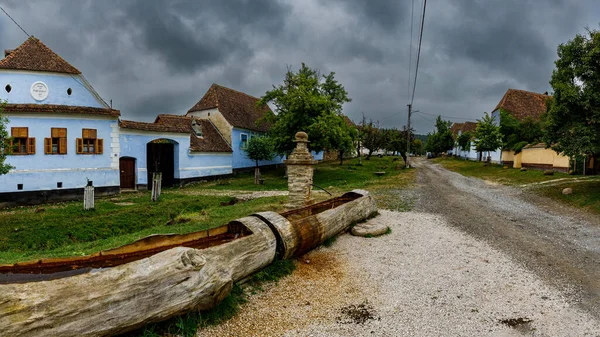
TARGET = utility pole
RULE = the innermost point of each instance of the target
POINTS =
(408, 137)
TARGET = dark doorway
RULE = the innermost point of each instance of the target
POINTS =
(127, 168)
(160, 158)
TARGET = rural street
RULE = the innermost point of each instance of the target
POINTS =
(560, 244)
(471, 259)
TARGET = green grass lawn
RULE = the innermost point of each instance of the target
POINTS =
(496, 173)
(65, 229)
(586, 195)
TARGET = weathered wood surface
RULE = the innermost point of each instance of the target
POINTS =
(119, 299)
(301, 235)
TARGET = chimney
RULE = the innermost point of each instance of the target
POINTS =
(546, 93)
(7, 52)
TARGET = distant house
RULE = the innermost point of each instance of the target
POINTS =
(459, 128)
(238, 119)
(521, 105)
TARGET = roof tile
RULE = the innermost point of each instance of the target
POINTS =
(238, 108)
(36, 56)
(523, 104)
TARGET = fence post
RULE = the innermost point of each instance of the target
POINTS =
(156, 184)
(88, 196)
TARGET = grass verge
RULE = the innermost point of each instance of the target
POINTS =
(496, 173)
(586, 195)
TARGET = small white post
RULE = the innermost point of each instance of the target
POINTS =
(156, 183)
(88, 197)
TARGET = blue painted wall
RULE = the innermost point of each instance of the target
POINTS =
(42, 171)
(187, 165)
(240, 160)
(58, 84)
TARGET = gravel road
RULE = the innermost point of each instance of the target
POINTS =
(472, 259)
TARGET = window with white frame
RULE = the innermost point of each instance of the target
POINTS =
(243, 140)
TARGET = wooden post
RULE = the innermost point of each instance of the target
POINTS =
(88, 196)
(156, 183)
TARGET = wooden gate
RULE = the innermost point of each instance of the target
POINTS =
(127, 168)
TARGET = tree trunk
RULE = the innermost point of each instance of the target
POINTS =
(369, 155)
(403, 155)
(257, 174)
(341, 155)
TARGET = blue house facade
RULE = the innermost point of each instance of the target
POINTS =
(62, 133)
(63, 136)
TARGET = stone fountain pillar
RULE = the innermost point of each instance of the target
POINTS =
(300, 173)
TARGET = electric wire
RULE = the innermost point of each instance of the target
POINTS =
(13, 20)
(419, 52)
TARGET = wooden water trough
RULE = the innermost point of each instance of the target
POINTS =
(161, 276)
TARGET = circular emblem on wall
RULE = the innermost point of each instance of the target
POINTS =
(39, 91)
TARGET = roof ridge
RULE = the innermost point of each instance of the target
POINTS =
(239, 92)
(32, 60)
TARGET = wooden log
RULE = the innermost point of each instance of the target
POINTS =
(299, 236)
(115, 300)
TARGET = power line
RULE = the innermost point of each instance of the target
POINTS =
(451, 117)
(419, 52)
(412, 15)
(13, 20)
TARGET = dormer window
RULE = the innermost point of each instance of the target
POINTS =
(197, 127)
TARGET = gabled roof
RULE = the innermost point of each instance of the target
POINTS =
(455, 128)
(523, 104)
(238, 108)
(36, 56)
(53, 109)
(348, 121)
(469, 127)
(210, 141)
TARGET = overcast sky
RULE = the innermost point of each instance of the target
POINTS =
(153, 57)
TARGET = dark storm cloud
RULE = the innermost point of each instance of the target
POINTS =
(152, 56)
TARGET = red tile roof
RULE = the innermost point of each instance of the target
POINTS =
(523, 104)
(238, 108)
(455, 128)
(469, 127)
(51, 109)
(36, 56)
(210, 141)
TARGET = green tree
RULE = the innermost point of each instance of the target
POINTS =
(441, 140)
(5, 143)
(337, 134)
(572, 122)
(464, 141)
(311, 102)
(371, 137)
(516, 134)
(257, 149)
(417, 147)
(487, 135)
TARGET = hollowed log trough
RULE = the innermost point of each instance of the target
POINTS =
(162, 276)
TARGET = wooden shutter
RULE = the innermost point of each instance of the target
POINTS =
(30, 145)
(62, 145)
(79, 147)
(48, 145)
(58, 132)
(19, 132)
(88, 133)
(99, 146)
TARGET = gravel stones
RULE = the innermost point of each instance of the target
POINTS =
(370, 228)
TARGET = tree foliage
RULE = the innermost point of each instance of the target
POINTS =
(572, 122)
(257, 149)
(311, 102)
(441, 139)
(487, 134)
(464, 141)
(4, 142)
(516, 134)
(371, 137)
